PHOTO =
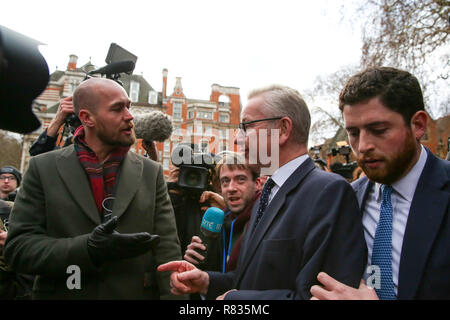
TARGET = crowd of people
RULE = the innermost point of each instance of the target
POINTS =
(290, 232)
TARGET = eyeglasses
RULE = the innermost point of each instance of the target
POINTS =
(243, 125)
(12, 178)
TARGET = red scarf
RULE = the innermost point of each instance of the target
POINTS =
(102, 176)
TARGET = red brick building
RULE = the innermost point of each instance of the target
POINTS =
(210, 124)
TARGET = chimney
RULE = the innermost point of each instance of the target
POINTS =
(178, 86)
(72, 62)
(164, 87)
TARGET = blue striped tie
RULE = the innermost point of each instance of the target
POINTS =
(263, 200)
(382, 246)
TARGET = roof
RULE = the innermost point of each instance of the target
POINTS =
(144, 86)
(56, 75)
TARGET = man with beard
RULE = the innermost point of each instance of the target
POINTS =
(87, 218)
(405, 198)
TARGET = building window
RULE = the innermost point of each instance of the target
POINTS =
(204, 115)
(166, 164)
(224, 117)
(73, 85)
(191, 114)
(134, 91)
(177, 110)
(208, 130)
(224, 133)
(152, 97)
(176, 130)
(199, 128)
(224, 100)
(167, 146)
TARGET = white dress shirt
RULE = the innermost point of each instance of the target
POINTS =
(283, 173)
(401, 198)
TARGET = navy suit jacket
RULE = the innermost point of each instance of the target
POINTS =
(425, 259)
(312, 224)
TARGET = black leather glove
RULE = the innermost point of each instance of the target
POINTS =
(106, 244)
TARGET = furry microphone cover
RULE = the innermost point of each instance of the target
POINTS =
(153, 126)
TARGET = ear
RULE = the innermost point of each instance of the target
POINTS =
(86, 118)
(259, 182)
(419, 124)
(285, 130)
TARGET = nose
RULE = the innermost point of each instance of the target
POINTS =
(128, 116)
(232, 185)
(365, 143)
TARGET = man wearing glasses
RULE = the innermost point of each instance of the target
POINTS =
(10, 179)
(306, 219)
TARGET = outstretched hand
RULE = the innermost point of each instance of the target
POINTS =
(185, 278)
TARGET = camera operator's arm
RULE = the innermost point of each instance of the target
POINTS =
(213, 200)
(172, 181)
(65, 108)
(150, 147)
(47, 139)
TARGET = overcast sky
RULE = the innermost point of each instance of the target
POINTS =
(243, 43)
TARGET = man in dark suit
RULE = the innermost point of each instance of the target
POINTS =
(310, 221)
(84, 217)
(407, 228)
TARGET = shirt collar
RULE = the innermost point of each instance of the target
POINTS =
(406, 186)
(284, 172)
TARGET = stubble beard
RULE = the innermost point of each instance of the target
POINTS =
(121, 141)
(395, 167)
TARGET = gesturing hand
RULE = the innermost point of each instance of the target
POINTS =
(105, 244)
(185, 278)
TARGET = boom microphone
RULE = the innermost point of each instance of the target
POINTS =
(115, 68)
(210, 229)
(153, 126)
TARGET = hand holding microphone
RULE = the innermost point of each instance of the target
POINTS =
(193, 250)
(210, 230)
(106, 244)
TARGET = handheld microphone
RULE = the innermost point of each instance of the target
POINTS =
(126, 66)
(153, 126)
(210, 229)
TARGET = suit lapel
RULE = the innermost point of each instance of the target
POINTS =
(362, 191)
(253, 240)
(428, 208)
(76, 181)
(129, 180)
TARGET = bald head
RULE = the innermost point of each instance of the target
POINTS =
(88, 94)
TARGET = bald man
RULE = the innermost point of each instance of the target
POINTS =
(91, 220)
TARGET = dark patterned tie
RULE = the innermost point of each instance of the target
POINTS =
(382, 246)
(263, 201)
